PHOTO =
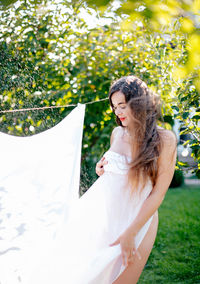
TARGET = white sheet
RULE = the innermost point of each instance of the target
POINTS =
(39, 181)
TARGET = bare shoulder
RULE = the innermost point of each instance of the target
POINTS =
(115, 132)
(168, 143)
(117, 129)
(168, 138)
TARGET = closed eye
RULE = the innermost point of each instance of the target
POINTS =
(121, 107)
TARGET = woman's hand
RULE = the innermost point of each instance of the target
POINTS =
(99, 166)
(127, 243)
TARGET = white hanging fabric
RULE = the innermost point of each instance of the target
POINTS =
(39, 182)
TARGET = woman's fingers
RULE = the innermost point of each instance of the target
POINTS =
(138, 255)
(124, 258)
(115, 243)
(130, 260)
(128, 257)
(103, 161)
(99, 169)
(99, 166)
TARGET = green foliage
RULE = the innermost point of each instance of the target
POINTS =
(178, 179)
(49, 57)
(156, 15)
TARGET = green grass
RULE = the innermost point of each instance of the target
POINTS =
(175, 257)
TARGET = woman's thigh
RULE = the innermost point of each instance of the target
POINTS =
(133, 271)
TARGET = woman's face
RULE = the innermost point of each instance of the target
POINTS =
(120, 108)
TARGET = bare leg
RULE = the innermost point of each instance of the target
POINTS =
(132, 273)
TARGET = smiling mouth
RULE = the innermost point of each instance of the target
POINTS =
(122, 118)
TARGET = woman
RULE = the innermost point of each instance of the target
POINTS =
(111, 229)
(153, 153)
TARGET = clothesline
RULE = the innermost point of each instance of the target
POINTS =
(48, 107)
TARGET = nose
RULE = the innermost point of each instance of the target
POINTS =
(118, 111)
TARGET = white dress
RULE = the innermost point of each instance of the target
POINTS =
(81, 253)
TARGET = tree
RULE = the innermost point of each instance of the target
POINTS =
(49, 57)
(182, 18)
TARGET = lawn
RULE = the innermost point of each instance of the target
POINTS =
(175, 257)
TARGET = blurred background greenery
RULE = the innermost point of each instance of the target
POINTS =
(55, 53)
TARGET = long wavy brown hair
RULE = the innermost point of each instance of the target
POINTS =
(145, 141)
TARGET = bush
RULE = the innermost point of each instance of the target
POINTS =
(178, 179)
